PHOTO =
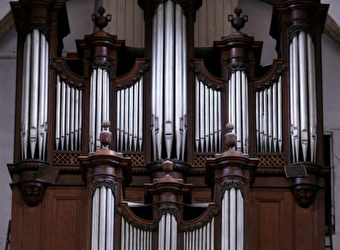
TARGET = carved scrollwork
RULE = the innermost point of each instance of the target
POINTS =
(295, 30)
(279, 68)
(104, 183)
(135, 223)
(137, 74)
(168, 210)
(202, 75)
(201, 223)
(60, 68)
(232, 184)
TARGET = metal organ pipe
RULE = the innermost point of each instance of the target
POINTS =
(269, 118)
(102, 219)
(238, 107)
(303, 97)
(169, 83)
(68, 116)
(99, 105)
(208, 118)
(34, 96)
(129, 117)
(232, 226)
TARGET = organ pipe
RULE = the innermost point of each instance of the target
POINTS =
(303, 97)
(34, 96)
(238, 107)
(232, 226)
(208, 118)
(99, 105)
(130, 117)
(269, 118)
(68, 116)
(102, 236)
(169, 83)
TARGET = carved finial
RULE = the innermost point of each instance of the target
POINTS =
(101, 21)
(105, 135)
(238, 21)
(230, 138)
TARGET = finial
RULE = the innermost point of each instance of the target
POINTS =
(105, 135)
(238, 22)
(101, 21)
(230, 138)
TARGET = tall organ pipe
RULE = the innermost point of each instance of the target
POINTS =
(303, 98)
(169, 82)
(238, 106)
(34, 96)
(99, 105)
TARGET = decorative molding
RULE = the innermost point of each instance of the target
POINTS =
(295, 30)
(232, 184)
(104, 183)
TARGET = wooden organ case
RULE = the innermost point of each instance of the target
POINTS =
(186, 148)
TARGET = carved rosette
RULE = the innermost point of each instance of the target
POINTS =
(32, 192)
(227, 185)
(104, 183)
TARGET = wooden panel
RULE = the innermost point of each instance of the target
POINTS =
(127, 21)
(270, 215)
(212, 21)
(65, 219)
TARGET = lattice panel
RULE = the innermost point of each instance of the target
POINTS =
(200, 160)
(271, 160)
(66, 159)
(137, 160)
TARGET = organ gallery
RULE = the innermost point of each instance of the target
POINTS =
(169, 145)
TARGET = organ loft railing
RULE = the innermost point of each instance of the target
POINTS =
(167, 113)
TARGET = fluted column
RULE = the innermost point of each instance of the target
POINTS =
(105, 169)
(230, 173)
(167, 194)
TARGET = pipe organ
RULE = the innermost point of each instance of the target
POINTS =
(206, 143)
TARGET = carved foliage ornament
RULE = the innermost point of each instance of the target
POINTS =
(104, 183)
(295, 30)
(197, 68)
(43, 28)
(232, 184)
(233, 67)
(168, 210)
